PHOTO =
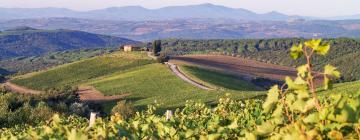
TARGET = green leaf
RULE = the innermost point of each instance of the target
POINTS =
(213, 137)
(76, 135)
(312, 118)
(322, 50)
(302, 94)
(298, 84)
(296, 51)
(313, 43)
(250, 136)
(298, 105)
(326, 82)
(331, 70)
(302, 70)
(272, 98)
(265, 128)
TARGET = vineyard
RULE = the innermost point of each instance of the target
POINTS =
(155, 82)
(81, 71)
(139, 78)
(297, 109)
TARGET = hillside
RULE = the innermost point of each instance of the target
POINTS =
(342, 54)
(122, 73)
(75, 73)
(22, 65)
(198, 28)
(26, 41)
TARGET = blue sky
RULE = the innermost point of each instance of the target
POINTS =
(320, 8)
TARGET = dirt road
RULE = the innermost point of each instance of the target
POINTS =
(86, 93)
(179, 74)
(90, 94)
(19, 89)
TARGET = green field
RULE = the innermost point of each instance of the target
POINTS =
(78, 72)
(156, 83)
(216, 80)
(146, 82)
(343, 88)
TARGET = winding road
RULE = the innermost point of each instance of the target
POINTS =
(86, 93)
(179, 74)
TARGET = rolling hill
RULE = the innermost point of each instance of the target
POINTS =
(135, 74)
(342, 53)
(22, 65)
(26, 41)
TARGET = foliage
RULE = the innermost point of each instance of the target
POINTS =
(293, 110)
(163, 57)
(194, 121)
(18, 109)
(2, 78)
(296, 110)
(21, 65)
(156, 47)
(19, 43)
(276, 51)
(124, 109)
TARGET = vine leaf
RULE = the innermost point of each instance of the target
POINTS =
(272, 99)
(296, 51)
(331, 70)
(314, 43)
(322, 50)
(298, 84)
(302, 70)
(312, 118)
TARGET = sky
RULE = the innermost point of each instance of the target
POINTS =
(318, 8)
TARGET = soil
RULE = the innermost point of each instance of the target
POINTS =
(90, 94)
(19, 89)
(248, 69)
(86, 93)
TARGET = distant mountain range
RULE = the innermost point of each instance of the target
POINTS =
(26, 41)
(138, 13)
(197, 28)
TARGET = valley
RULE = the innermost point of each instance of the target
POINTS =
(152, 70)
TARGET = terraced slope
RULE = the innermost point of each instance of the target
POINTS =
(75, 73)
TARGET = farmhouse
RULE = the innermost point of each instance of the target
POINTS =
(129, 48)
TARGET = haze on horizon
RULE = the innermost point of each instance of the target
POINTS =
(317, 8)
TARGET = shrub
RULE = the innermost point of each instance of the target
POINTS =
(162, 58)
(156, 47)
(80, 109)
(126, 110)
(2, 78)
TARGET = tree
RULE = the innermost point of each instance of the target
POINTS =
(2, 78)
(156, 47)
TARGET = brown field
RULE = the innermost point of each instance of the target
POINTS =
(239, 66)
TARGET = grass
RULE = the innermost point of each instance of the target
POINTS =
(343, 88)
(215, 79)
(156, 83)
(75, 73)
(147, 82)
